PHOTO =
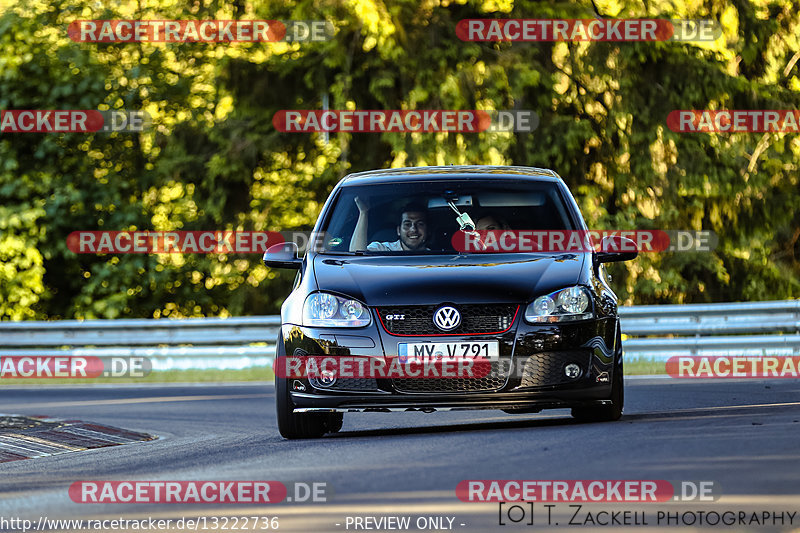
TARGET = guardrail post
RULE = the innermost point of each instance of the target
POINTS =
(796, 350)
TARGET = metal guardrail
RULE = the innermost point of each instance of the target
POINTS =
(661, 331)
(650, 332)
(191, 343)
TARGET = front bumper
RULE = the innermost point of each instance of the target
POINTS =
(535, 353)
(309, 403)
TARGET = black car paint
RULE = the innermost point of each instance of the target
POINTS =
(456, 279)
(425, 279)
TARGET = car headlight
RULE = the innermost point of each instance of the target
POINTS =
(572, 303)
(331, 311)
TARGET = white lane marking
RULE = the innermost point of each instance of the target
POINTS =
(96, 435)
(715, 407)
(43, 442)
(27, 450)
(44, 447)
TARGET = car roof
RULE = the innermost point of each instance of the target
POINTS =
(390, 175)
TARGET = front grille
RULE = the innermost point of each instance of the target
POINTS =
(493, 381)
(547, 369)
(475, 319)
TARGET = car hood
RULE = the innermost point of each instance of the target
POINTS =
(429, 280)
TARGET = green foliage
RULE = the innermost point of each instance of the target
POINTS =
(214, 161)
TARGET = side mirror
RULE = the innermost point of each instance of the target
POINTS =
(616, 248)
(282, 255)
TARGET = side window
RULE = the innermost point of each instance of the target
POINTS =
(341, 225)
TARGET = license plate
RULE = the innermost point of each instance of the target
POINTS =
(421, 352)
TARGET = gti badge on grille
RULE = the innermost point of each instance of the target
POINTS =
(395, 317)
(447, 318)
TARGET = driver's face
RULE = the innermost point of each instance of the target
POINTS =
(413, 230)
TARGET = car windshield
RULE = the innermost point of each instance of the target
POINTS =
(431, 217)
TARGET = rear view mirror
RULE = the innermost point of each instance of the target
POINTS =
(460, 201)
(282, 255)
(616, 248)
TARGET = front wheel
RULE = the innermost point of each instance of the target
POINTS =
(293, 425)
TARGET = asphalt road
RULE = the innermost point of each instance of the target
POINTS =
(742, 435)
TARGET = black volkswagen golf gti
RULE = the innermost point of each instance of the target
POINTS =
(406, 266)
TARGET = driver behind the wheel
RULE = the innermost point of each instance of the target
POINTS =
(412, 231)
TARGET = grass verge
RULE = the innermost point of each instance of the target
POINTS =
(645, 367)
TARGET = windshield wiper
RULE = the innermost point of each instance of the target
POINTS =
(332, 252)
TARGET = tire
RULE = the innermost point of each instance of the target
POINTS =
(334, 422)
(293, 425)
(607, 413)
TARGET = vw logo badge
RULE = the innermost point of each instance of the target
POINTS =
(447, 318)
